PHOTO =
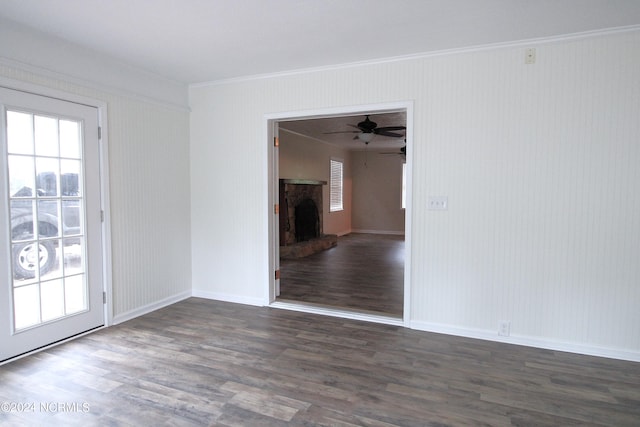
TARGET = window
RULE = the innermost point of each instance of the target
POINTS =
(404, 186)
(335, 196)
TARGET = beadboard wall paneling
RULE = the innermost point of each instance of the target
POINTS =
(229, 204)
(539, 164)
(149, 204)
(149, 195)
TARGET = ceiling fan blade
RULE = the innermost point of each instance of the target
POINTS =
(369, 126)
(342, 131)
(386, 128)
(386, 133)
(402, 152)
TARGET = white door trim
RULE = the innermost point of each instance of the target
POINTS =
(272, 175)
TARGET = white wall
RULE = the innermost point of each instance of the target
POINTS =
(377, 193)
(304, 158)
(148, 145)
(539, 162)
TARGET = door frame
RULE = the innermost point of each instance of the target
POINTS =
(103, 141)
(271, 129)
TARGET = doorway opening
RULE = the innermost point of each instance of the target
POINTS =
(358, 266)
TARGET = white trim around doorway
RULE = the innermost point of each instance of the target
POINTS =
(270, 120)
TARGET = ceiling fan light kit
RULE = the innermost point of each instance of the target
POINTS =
(367, 129)
(365, 137)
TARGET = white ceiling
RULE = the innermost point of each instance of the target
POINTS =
(193, 41)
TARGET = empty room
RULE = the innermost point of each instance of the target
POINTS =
(309, 212)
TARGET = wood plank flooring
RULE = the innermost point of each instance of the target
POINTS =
(202, 362)
(364, 272)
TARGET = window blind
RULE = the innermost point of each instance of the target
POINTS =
(335, 192)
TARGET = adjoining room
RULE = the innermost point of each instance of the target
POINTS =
(352, 169)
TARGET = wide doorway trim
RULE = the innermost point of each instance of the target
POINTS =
(271, 132)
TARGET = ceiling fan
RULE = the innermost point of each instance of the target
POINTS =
(402, 152)
(367, 129)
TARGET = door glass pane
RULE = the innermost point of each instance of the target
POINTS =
(21, 176)
(49, 280)
(46, 136)
(72, 254)
(75, 294)
(27, 257)
(49, 218)
(22, 211)
(26, 305)
(19, 133)
(47, 171)
(70, 139)
(52, 294)
(71, 217)
(70, 177)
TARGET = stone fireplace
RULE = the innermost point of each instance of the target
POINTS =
(301, 231)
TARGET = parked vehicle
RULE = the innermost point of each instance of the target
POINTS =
(57, 216)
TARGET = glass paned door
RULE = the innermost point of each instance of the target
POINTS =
(50, 159)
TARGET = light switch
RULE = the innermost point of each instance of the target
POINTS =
(437, 203)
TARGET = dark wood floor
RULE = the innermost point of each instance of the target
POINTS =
(202, 362)
(364, 272)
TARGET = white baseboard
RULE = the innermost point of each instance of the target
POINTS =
(536, 342)
(227, 298)
(123, 317)
(397, 233)
(482, 334)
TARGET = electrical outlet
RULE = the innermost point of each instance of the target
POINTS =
(530, 55)
(505, 328)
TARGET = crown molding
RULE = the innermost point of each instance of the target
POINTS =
(424, 55)
(85, 83)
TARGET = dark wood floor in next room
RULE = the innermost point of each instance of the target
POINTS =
(202, 362)
(364, 272)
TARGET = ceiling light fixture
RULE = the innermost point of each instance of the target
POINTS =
(365, 137)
